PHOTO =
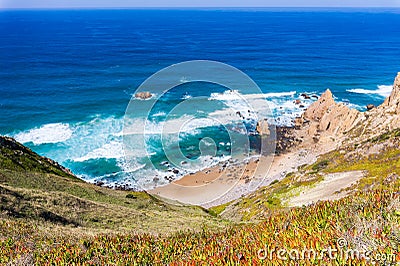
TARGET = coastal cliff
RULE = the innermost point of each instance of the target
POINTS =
(327, 124)
(354, 151)
(36, 189)
(15, 156)
(393, 101)
(350, 192)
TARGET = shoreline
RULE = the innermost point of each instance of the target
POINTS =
(324, 126)
(233, 178)
(227, 182)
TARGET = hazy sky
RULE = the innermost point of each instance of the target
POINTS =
(195, 3)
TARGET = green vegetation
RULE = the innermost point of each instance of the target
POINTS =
(264, 201)
(381, 167)
(37, 192)
(320, 165)
(366, 219)
(16, 157)
(218, 209)
(49, 217)
(392, 134)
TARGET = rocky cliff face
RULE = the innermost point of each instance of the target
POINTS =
(326, 116)
(330, 123)
(318, 109)
(326, 121)
(386, 117)
(394, 99)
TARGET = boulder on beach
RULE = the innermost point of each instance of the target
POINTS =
(143, 95)
(370, 107)
(298, 122)
(263, 128)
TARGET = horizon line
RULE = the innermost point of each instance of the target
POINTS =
(201, 7)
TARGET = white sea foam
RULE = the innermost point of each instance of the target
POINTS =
(130, 167)
(158, 114)
(94, 139)
(239, 106)
(184, 80)
(193, 124)
(140, 177)
(49, 133)
(183, 124)
(257, 106)
(186, 96)
(103, 137)
(111, 150)
(235, 95)
(279, 94)
(354, 106)
(141, 126)
(383, 90)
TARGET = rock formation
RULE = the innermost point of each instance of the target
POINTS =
(394, 99)
(320, 107)
(326, 118)
(331, 123)
(297, 102)
(263, 128)
(370, 107)
(143, 95)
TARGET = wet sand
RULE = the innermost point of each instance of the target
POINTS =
(230, 180)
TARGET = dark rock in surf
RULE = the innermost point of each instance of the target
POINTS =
(370, 107)
(143, 95)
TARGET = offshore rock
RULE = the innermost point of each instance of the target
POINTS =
(143, 95)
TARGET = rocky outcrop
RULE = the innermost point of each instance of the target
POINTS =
(320, 107)
(393, 101)
(326, 118)
(338, 119)
(330, 123)
(263, 128)
(143, 95)
(385, 117)
(370, 107)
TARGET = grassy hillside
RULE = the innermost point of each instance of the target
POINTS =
(55, 219)
(378, 157)
(38, 194)
(367, 221)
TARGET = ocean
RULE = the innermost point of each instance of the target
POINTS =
(67, 77)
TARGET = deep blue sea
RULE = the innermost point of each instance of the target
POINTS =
(67, 76)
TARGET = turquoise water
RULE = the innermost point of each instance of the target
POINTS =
(67, 76)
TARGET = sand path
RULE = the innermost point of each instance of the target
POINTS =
(328, 189)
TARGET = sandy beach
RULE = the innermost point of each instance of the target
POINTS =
(232, 179)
